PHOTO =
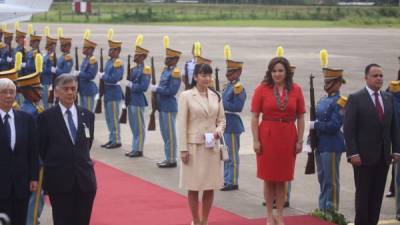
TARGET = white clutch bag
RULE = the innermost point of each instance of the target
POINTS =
(224, 149)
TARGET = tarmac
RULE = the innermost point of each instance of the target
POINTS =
(349, 49)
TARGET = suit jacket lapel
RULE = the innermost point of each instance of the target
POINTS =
(80, 115)
(200, 100)
(61, 121)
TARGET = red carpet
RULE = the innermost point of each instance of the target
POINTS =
(123, 199)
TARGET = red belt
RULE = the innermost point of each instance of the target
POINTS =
(281, 120)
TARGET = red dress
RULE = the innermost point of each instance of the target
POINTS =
(277, 132)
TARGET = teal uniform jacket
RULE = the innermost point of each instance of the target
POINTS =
(140, 84)
(167, 89)
(233, 105)
(4, 65)
(28, 107)
(30, 61)
(328, 125)
(64, 64)
(46, 74)
(113, 73)
(88, 72)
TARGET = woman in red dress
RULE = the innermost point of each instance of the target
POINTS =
(277, 139)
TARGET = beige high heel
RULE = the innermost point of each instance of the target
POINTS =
(271, 221)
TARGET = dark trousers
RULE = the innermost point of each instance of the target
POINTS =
(370, 185)
(15, 208)
(72, 208)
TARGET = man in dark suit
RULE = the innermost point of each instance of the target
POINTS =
(372, 139)
(65, 138)
(18, 156)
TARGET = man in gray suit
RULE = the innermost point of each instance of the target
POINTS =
(372, 139)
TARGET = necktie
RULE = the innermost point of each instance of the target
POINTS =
(71, 125)
(7, 129)
(378, 106)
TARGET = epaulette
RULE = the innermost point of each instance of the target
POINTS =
(15, 106)
(2, 45)
(237, 88)
(117, 63)
(147, 70)
(39, 109)
(342, 101)
(176, 73)
(92, 60)
(68, 57)
(51, 56)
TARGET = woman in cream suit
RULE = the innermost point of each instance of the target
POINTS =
(200, 114)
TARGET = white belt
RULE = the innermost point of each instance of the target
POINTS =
(234, 113)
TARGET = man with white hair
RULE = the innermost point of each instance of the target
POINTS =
(18, 156)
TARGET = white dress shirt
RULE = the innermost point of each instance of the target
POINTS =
(11, 121)
(190, 67)
(372, 95)
(74, 113)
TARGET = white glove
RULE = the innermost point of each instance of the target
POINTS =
(153, 88)
(50, 87)
(128, 84)
(100, 74)
(311, 125)
(9, 59)
(53, 69)
(307, 148)
(76, 72)
(23, 65)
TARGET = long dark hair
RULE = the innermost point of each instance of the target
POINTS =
(289, 75)
(204, 69)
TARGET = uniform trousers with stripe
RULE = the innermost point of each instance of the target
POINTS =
(31, 208)
(168, 133)
(328, 177)
(112, 109)
(45, 96)
(87, 102)
(231, 166)
(138, 127)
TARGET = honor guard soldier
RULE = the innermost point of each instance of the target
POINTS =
(64, 61)
(233, 98)
(170, 81)
(34, 43)
(187, 78)
(49, 61)
(20, 40)
(7, 60)
(2, 46)
(330, 139)
(12, 74)
(113, 95)
(87, 74)
(138, 82)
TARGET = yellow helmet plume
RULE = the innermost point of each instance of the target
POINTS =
(279, 51)
(166, 41)
(139, 40)
(86, 35)
(4, 27)
(30, 29)
(16, 26)
(46, 31)
(39, 63)
(227, 52)
(60, 32)
(197, 49)
(18, 61)
(323, 56)
(110, 34)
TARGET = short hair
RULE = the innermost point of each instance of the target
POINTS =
(7, 83)
(64, 79)
(368, 68)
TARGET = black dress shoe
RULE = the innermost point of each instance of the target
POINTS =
(398, 215)
(235, 187)
(390, 194)
(106, 144)
(286, 205)
(166, 164)
(115, 145)
(134, 154)
(228, 187)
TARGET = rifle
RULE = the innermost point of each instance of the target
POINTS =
(310, 166)
(101, 84)
(50, 99)
(127, 93)
(10, 52)
(76, 69)
(398, 73)
(186, 77)
(216, 79)
(152, 122)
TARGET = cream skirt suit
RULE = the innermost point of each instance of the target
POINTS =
(200, 113)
